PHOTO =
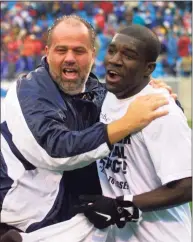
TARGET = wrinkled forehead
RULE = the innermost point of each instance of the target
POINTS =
(129, 42)
(70, 25)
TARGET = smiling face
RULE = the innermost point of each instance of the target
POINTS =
(70, 56)
(126, 66)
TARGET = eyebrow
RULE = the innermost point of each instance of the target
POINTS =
(66, 47)
(131, 50)
(60, 46)
(125, 47)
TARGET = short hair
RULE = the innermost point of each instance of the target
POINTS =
(90, 28)
(148, 37)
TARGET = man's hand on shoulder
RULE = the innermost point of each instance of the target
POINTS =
(160, 84)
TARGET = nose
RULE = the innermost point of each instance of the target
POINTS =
(70, 57)
(116, 59)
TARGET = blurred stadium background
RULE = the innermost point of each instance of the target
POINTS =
(24, 25)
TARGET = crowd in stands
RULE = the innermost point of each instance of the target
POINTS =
(24, 31)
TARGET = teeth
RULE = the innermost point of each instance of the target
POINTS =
(69, 70)
(113, 72)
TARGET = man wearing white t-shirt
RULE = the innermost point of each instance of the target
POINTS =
(150, 169)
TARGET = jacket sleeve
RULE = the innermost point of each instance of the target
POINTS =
(44, 138)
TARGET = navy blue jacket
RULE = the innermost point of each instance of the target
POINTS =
(50, 141)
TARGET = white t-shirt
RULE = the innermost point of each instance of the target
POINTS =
(77, 229)
(144, 161)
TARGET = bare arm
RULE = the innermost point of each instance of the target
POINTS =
(172, 194)
(95, 207)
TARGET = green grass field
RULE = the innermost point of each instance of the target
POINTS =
(190, 123)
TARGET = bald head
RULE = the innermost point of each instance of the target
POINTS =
(71, 20)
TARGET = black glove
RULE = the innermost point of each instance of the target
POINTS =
(132, 213)
(102, 211)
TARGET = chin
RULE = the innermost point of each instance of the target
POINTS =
(111, 88)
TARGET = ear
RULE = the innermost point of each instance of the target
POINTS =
(47, 53)
(93, 55)
(46, 50)
(150, 67)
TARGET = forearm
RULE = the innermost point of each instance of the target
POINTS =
(118, 130)
(76, 149)
(173, 194)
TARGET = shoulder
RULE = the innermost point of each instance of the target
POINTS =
(37, 86)
(170, 125)
(33, 96)
(151, 90)
(172, 107)
(174, 120)
(36, 79)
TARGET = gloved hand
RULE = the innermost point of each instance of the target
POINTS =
(100, 211)
(103, 211)
(132, 213)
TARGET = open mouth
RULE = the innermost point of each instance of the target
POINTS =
(70, 73)
(112, 76)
